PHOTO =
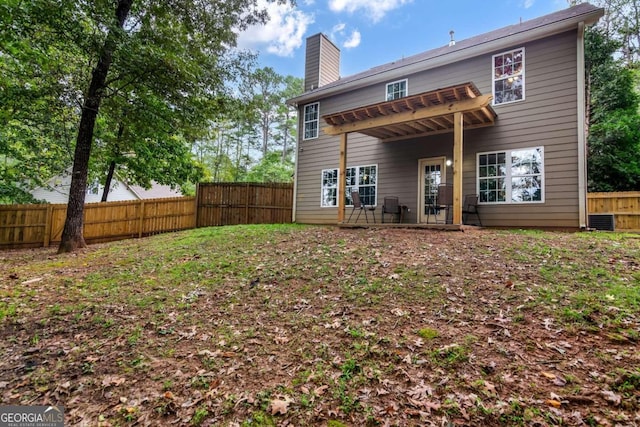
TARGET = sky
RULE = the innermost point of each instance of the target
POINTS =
(374, 32)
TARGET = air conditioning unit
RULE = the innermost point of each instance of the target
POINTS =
(606, 222)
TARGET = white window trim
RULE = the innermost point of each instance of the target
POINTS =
(406, 89)
(304, 121)
(507, 177)
(357, 167)
(322, 187)
(493, 76)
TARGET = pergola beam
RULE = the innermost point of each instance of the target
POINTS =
(409, 116)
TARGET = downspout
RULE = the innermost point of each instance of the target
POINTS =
(582, 143)
(295, 169)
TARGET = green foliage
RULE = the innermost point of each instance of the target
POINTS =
(614, 131)
(170, 76)
(271, 169)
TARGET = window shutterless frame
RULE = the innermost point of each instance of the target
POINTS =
(363, 179)
(311, 121)
(511, 176)
(396, 90)
(508, 76)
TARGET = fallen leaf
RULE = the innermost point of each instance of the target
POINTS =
(279, 406)
(281, 339)
(559, 381)
(489, 387)
(554, 403)
(319, 391)
(110, 380)
(549, 375)
(612, 397)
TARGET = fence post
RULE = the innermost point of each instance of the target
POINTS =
(197, 202)
(246, 205)
(141, 219)
(47, 226)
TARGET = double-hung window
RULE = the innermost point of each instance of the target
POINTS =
(396, 90)
(329, 194)
(311, 120)
(512, 176)
(508, 76)
(362, 179)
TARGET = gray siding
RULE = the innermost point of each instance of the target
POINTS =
(547, 117)
(329, 62)
(312, 63)
(322, 62)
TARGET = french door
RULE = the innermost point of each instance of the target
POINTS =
(432, 174)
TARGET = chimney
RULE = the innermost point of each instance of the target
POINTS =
(452, 42)
(322, 62)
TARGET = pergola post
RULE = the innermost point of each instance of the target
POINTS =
(342, 177)
(458, 127)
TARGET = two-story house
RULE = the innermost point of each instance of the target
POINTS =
(500, 115)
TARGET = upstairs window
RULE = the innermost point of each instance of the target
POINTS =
(311, 120)
(396, 90)
(508, 77)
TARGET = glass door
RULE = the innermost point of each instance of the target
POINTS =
(432, 174)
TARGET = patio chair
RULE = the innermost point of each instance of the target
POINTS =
(357, 204)
(470, 207)
(392, 207)
(442, 203)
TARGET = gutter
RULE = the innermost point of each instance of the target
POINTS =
(450, 58)
(582, 141)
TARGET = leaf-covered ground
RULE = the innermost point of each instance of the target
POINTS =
(293, 325)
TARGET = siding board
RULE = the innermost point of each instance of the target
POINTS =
(547, 117)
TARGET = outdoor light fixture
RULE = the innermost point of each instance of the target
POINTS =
(449, 162)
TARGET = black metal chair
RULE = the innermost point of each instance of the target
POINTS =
(357, 204)
(391, 206)
(470, 207)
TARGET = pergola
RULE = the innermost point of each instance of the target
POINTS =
(447, 110)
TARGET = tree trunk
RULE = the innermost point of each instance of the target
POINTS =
(112, 165)
(72, 237)
(285, 136)
(107, 183)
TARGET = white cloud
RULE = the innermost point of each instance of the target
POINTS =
(283, 34)
(376, 9)
(528, 3)
(336, 31)
(354, 40)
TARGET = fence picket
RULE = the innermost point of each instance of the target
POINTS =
(215, 204)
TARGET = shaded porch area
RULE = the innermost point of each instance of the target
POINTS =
(449, 110)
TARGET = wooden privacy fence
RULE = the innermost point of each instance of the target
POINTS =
(625, 207)
(243, 203)
(215, 204)
(41, 225)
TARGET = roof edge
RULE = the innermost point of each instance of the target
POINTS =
(481, 48)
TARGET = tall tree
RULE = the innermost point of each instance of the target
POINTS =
(287, 115)
(72, 236)
(263, 87)
(171, 55)
(614, 122)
